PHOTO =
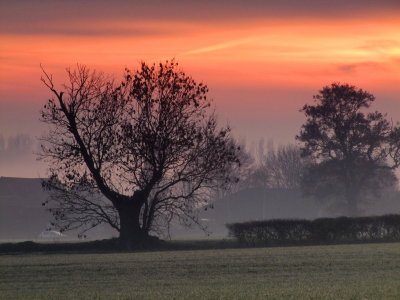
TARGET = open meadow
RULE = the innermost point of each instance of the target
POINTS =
(363, 271)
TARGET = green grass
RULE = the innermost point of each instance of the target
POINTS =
(363, 271)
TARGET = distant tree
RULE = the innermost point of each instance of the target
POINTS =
(238, 173)
(2, 144)
(285, 167)
(19, 144)
(274, 168)
(134, 155)
(354, 151)
(249, 173)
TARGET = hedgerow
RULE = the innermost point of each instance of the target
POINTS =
(319, 231)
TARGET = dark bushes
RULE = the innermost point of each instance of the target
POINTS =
(320, 231)
(97, 246)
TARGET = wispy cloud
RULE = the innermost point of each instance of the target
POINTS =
(221, 46)
(351, 68)
(109, 28)
(381, 45)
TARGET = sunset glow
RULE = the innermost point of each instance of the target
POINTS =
(260, 61)
(262, 53)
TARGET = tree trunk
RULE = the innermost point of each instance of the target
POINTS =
(131, 233)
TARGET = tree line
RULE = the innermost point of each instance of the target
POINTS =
(16, 145)
(142, 152)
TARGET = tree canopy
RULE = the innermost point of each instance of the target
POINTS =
(354, 151)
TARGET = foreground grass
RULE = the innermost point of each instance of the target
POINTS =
(365, 271)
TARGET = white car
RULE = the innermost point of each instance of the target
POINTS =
(51, 234)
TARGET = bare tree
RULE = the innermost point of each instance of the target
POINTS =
(150, 147)
(275, 167)
(2, 144)
(285, 167)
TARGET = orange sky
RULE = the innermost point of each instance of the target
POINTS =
(303, 53)
(261, 60)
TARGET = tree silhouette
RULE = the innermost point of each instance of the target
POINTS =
(354, 152)
(134, 155)
(285, 167)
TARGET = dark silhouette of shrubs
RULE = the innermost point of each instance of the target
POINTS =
(97, 246)
(320, 231)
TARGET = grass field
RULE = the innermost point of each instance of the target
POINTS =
(364, 271)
